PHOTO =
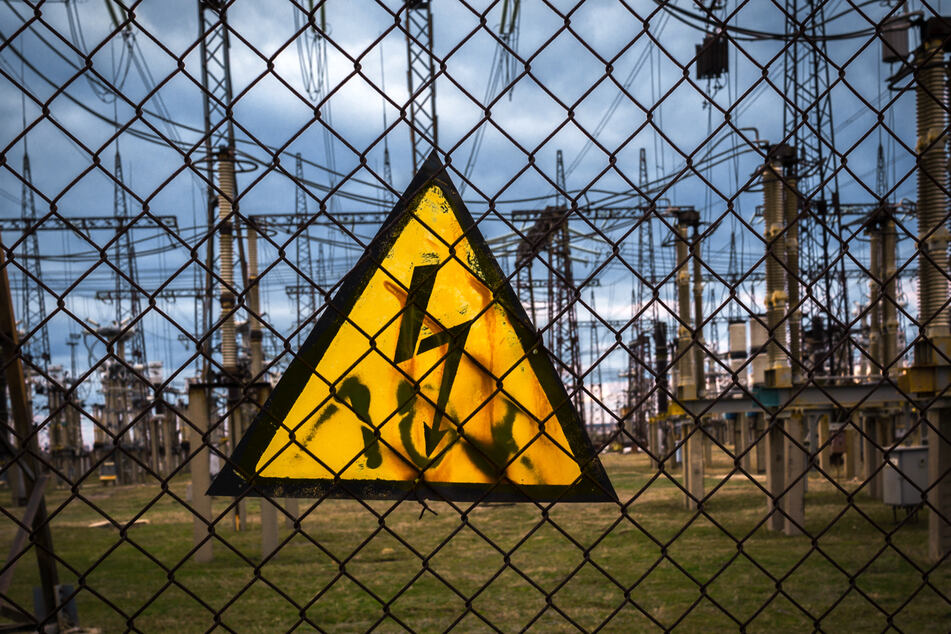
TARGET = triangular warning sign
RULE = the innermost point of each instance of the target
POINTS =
(423, 378)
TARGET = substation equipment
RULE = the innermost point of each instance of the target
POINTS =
(783, 396)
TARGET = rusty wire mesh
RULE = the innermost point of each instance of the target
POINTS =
(731, 552)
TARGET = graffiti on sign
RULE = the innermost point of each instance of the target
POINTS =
(423, 377)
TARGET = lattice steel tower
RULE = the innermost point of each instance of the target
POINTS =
(219, 131)
(127, 304)
(808, 127)
(36, 346)
(307, 297)
(421, 80)
(549, 235)
(640, 381)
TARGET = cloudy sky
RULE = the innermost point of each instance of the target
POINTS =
(598, 80)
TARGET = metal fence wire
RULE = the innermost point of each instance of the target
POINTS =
(720, 230)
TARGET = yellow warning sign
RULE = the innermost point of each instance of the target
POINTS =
(423, 378)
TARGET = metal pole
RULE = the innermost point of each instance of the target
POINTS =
(169, 436)
(686, 379)
(698, 351)
(229, 341)
(791, 208)
(890, 306)
(738, 354)
(269, 537)
(875, 299)
(872, 422)
(777, 373)
(154, 431)
(661, 370)
(687, 374)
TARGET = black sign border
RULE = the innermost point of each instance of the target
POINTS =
(238, 477)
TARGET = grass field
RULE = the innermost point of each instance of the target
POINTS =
(603, 568)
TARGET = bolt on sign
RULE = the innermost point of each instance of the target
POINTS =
(423, 378)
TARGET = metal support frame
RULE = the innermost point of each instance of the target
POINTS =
(127, 304)
(215, 43)
(808, 127)
(36, 345)
(421, 80)
(27, 448)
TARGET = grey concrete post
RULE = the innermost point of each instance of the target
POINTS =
(794, 502)
(775, 473)
(200, 469)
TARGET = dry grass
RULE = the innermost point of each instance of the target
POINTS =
(679, 567)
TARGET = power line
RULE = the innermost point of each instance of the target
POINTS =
(708, 22)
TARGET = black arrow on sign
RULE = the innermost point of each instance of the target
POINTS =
(420, 291)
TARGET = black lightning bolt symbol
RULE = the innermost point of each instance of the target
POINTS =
(420, 291)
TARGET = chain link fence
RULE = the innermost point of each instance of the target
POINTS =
(720, 230)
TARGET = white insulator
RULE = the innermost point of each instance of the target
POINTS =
(933, 207)
(226, 186)
(229, 346)
(737, 336)
(758, 337)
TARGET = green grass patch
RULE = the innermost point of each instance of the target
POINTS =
(509, 567)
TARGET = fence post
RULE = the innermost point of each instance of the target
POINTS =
(30, 465)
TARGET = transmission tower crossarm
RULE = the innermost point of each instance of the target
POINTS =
(112, 295)
(87, 224)
(293, 221)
